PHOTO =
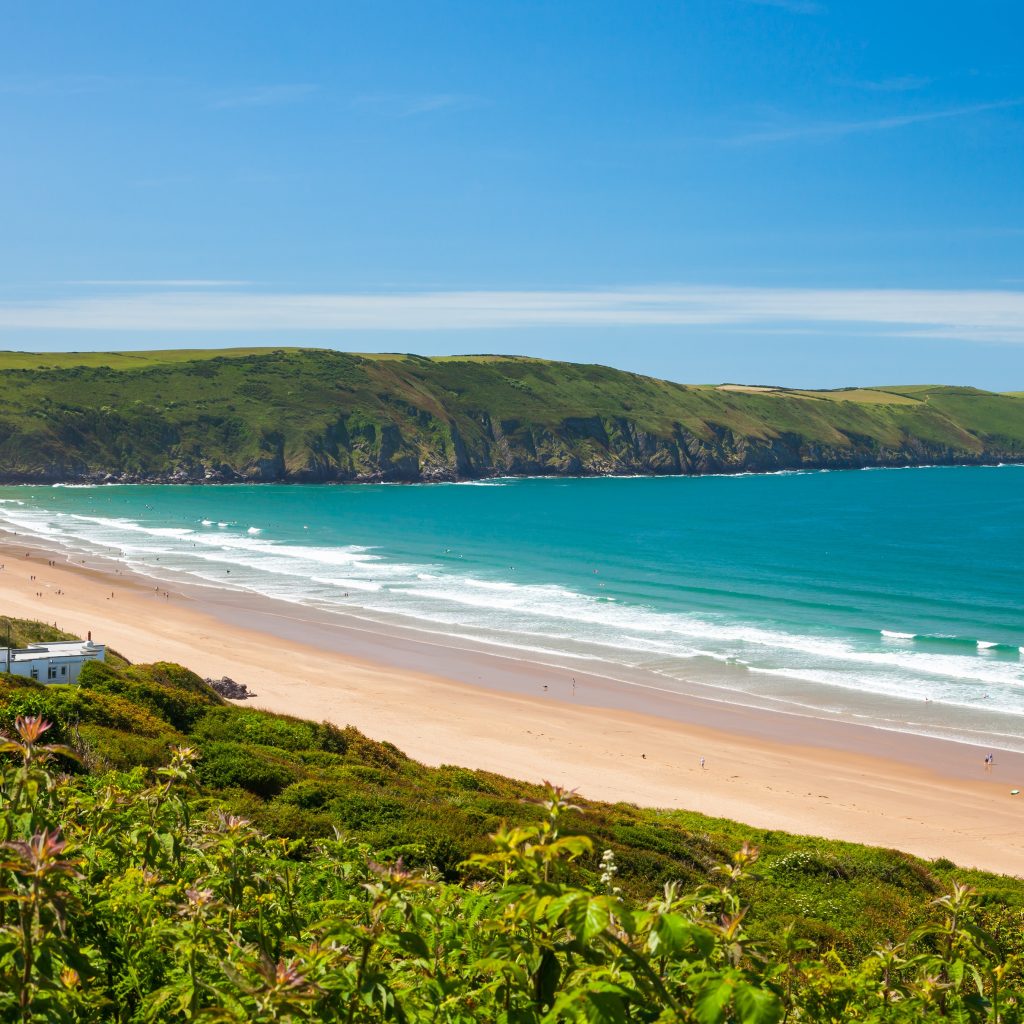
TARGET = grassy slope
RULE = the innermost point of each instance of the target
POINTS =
(122, 360)
(316, 414)
(300, 779)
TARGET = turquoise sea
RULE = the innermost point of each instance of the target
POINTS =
(890, 597)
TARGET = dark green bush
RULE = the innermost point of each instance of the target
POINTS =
(94, 673)
(174, 694)
(226, 765)
(115, 749)
(35, 699)
(176, 677)
(908, 873)
(462, 779)
(247, 725)
(292, 822)
(330, 738)
(366, 812)
(309, 794)
(362, 773)
(366, 751)
(117, 713)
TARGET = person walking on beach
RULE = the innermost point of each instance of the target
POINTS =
(702, 762)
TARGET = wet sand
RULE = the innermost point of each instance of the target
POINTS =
(608, 739)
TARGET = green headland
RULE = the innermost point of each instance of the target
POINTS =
(318, 415)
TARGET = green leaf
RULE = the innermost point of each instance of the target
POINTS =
(414, 944)
(588, 916)
(673, 934)
(571, 846)
(604, 1008)
(757, 1005)
(955, 970)
(712, 1001)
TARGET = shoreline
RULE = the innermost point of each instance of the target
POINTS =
(104, 480)
(444, 704)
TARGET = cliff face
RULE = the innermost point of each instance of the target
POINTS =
(318, 416)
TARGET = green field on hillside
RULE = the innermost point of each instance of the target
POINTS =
(140, 360)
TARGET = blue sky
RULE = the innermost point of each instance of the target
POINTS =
(805, 192)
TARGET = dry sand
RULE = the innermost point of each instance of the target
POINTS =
(928, 797)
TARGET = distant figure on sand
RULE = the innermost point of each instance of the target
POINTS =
(702, 762)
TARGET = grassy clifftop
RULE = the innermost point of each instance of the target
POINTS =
(317, 415)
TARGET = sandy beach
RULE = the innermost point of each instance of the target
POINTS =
(503, 714)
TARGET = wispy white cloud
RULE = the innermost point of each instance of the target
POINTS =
(413, 104)
(793, 6)
(53, 85)
(988, 316)
(163, 283)
(266, 96)
(838, 129)
(898, 83)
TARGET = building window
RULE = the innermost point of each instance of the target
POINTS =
(51, 672)
(63, 670)
(34, 672)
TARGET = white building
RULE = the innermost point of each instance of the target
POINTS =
(58, 662)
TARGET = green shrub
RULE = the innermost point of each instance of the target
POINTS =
(117, 713)
(363, 773)
(48, 701)
(176, 677)
(308, 794)
(225, 765)
(174, 694)
(907, 872)
(366, 751)
(94, 673)
(293, 822)
(463, 779)
(368, 812)
(328, 737)
(811, 865)
(112, 748)
(247, 725)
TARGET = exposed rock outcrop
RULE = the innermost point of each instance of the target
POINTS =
(227, 687)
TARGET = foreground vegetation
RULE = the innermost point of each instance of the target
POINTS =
(314, 415)
(166, 856)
